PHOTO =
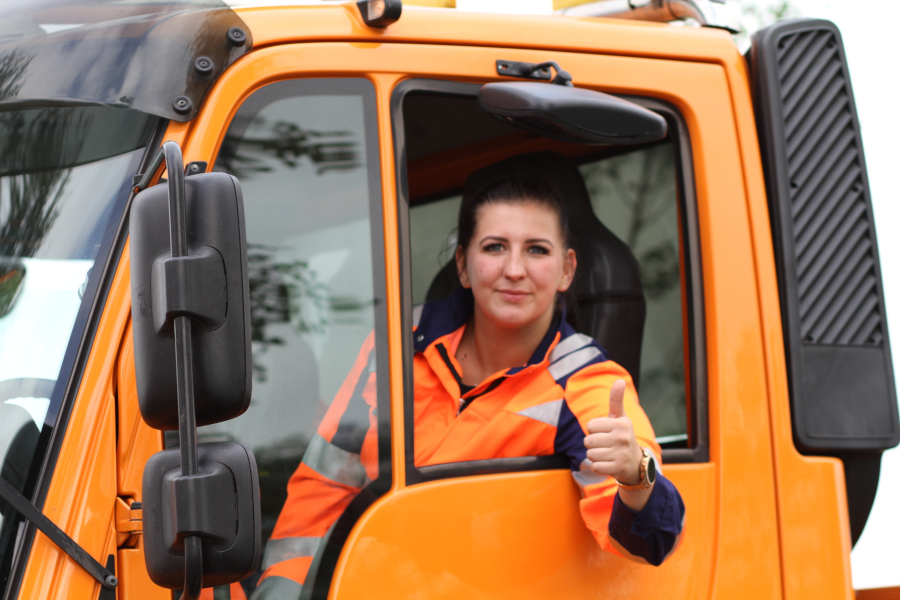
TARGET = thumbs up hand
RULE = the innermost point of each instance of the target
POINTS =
(611, 445)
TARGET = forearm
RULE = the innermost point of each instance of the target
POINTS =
(652, 533)
(635, 499)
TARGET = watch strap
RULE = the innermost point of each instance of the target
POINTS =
(645, 482)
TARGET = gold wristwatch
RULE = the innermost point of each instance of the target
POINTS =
(648, 472)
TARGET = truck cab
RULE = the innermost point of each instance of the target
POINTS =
(754, 301)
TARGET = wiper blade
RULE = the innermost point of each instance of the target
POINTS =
(57, 535)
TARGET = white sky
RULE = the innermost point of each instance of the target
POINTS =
(870, 37)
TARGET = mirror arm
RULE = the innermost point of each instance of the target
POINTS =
(184, 364)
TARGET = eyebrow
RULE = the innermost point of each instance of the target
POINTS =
(503, 239)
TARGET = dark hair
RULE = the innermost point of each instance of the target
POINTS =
(515, 190)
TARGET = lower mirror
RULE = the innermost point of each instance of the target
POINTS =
(220, 505)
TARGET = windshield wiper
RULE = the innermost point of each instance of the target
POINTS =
(57, 535)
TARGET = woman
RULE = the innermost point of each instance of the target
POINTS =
(498, 373)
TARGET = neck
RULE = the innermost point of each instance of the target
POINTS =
(486, 348)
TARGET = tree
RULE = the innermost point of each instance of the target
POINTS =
(753, 15)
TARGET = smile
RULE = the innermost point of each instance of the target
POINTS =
(513, 295)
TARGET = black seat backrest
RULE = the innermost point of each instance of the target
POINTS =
(606, 300)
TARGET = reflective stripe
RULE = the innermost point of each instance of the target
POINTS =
(573, 362)
(289, 547)
(547, 412)
(570, 344)
(585, 475)
(332, 462)
(274, 587)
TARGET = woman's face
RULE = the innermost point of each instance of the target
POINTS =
(516, 263)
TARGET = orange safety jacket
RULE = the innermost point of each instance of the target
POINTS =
(541, 408)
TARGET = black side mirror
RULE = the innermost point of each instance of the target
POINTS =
(190, 313)
(208, 283)
(571, 114)
(216, 505)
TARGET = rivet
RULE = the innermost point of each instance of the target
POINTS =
(204, 65)
(236, 36)
(182, 105)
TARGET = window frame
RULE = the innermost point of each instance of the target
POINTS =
(692, 289)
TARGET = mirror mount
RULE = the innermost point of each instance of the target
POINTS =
(540, 71)
(563, 112)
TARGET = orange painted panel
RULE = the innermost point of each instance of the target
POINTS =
(81, 497)
(135, 582)
(272, 25)
(515, 536)
(137, 442)
(815, 544)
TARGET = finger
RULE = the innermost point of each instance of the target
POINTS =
(608, 468)
(616, 399)
(619, 438)
(602, 454)
(615, 436)
(601, 425)
(600, 440)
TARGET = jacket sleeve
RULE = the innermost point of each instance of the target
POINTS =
(339, 461)
(648, 536)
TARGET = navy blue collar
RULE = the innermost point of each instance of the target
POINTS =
(449, 314)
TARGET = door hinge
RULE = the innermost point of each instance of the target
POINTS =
(129, 520)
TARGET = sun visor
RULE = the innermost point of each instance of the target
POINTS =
(158, 58)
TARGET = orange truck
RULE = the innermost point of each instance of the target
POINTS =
(740, 285)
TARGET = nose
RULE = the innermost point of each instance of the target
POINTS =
(514, 268)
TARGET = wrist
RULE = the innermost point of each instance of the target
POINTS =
(646, 475)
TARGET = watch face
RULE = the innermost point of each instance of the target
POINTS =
(651, 469)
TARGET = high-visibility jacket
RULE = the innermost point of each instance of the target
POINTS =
(540, 408)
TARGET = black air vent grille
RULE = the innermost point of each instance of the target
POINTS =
(839, 300)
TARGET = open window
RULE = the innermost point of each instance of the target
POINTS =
(642, 193)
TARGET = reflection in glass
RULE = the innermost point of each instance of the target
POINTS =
(302, 152)
(636, 196)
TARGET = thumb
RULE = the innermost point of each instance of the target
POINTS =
(616, 399)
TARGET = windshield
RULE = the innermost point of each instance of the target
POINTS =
(65, 176)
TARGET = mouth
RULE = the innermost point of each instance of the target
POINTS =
(513, 295)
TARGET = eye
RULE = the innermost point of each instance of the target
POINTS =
(538, 249)
(493, 247)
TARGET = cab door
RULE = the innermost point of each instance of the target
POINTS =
(347, 220)
(513, 529)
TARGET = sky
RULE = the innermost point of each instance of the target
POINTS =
(869, 31)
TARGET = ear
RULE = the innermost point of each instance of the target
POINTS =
(461, 267)
(568, 274)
